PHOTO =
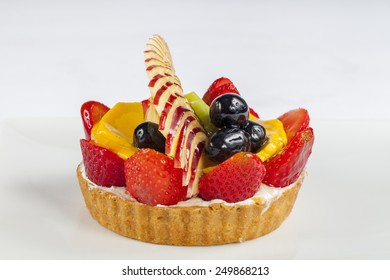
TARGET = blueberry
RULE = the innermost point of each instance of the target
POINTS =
(229, 110)
(147, 135)
(257, 135)
(226, 142)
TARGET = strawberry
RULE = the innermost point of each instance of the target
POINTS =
(285, 168)
(102, 166)
(91, 113)
(295, 121)
(217, 88)
(221, 86)
(237, 178)
(152, 179)
(253, 112)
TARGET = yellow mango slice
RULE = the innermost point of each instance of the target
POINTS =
(115, 130)
(277, 138)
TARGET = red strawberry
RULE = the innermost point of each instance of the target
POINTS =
(152, 179)
(221, 86)
(237, 178)
(285, 168)
(91, 113)
(253, 112)
(102, 166)
(295, 121)
(217, 88)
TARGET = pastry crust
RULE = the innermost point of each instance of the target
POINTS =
(194, 225)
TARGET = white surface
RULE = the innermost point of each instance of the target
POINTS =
(341, 212)
(331, 57)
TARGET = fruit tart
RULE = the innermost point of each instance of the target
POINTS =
(182, 169)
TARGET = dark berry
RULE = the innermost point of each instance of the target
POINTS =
(147, 135)
(257, 135)
(226, 142)
(229, 110)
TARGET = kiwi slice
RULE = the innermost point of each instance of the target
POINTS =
(202, 111)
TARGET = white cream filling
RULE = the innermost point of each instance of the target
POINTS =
(266, 194)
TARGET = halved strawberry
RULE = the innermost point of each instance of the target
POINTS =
(152, 179)
(295, 121)
(217, 88)
(91, 113)
(285, 168)
(237, 178)
(102, 166)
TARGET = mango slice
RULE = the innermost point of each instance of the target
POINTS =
(277, 139)
(115, 130)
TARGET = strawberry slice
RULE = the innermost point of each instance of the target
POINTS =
(295, 121)
(237, 178)
(152, 179)
(91, 113)
(285, 168)
(102, 166)
(217, 88)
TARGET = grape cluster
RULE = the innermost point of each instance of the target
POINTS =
(237, 133)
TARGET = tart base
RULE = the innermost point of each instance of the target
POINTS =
(195, 225)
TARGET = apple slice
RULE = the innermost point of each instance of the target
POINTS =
(158, 44)
(162, 79)
(180, 113)
(171, 111)
(153, 70)
(181, 141)
(152, 46)
(177, 120)
(151, 114)
(150, 54)
(155, 61)
(162, 95)
(195, 172)
(195, 137)
(166, 110)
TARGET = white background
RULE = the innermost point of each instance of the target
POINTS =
(331, 57)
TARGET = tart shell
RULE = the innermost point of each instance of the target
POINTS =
(194, 225)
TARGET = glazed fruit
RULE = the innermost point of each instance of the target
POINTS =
(185, 136)
(145, 105)
(115, 130)
(257, 135)
(218, 87)
(102, 166)
(91, 113)
(253, 113)
(295, 121)
(175, 194)
(229, 110)
(147, 135)
(236, 179)
(276, 139)
(227, 142)
(285, 168)
(221, 86)
(152, 179)
(202, 111)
